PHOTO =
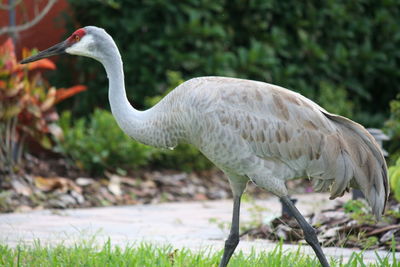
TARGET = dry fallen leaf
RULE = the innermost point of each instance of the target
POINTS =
(56, 183)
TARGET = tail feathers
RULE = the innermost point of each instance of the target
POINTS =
(362, 159)
(345, 171)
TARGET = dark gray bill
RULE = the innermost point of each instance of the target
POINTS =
(57, 49)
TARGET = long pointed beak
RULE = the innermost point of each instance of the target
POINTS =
(52, 51)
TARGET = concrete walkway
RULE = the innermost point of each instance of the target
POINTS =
(192, 225)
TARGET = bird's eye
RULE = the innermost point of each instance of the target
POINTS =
(77, 38)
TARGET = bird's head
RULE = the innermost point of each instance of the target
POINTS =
(87, 41)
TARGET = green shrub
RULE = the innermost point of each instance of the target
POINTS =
(392, 128)
(359, 210)
(174, 79)
(335, 100)
(394, 176)
(98, 144)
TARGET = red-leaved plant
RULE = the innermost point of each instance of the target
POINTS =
(26, 105)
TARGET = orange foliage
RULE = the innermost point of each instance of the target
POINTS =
(63, 93)
(26, 95)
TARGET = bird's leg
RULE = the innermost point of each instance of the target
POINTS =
(233, 239)
(309, 231)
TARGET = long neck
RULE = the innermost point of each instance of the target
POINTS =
(137, 124)
(120, 106)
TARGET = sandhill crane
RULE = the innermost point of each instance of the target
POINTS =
(252, 131)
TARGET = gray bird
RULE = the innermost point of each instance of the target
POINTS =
(252, 131)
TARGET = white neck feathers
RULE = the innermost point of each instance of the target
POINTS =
(148, 127)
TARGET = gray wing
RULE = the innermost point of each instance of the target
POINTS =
(278, 125)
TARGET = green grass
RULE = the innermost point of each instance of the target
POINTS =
(165, 256)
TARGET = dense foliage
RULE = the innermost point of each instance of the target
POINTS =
(392, 127)
(98, 144)
(394, 176)
(310, 47)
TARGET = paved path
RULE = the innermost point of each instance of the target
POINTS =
(180, 224)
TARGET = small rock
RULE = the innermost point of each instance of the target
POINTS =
(21, 188)
(63, 201)
(201, 189)
(217, 194)
(82, 181)
(331, 232)
(115, 185)
(388, 235)
(78, 197)
(188, 190)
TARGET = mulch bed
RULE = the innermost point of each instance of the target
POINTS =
(53, 183)
(336, 228)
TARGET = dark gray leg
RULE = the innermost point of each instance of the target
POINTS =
(309, 232)
(233, 239)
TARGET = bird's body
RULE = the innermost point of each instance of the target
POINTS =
(268, 135)
(253, 131)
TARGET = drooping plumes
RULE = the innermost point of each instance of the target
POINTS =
(367, 162)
